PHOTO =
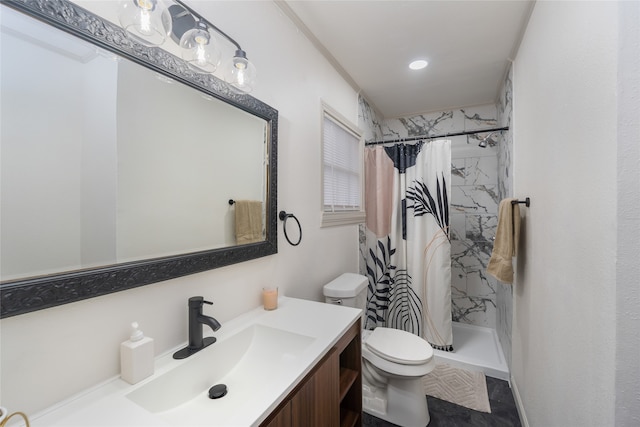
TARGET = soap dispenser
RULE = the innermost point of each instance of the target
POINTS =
(136, 356)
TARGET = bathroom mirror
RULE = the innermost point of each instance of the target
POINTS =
(119, 163)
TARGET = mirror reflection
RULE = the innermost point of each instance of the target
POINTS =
(105, 161)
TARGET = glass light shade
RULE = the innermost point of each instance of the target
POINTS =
(142, 19)
(240, 73)
(199, 49)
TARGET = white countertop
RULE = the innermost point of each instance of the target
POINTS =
(108, 404)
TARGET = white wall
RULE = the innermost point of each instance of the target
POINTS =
(627, 267)
(219, 147)
(98, 146)
(504, 292)
(58, 151)
(565, 133)
(48, 236)
(51, 354)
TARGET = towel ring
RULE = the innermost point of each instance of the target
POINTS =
(283, 217)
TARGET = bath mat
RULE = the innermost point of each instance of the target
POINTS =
(459, 386)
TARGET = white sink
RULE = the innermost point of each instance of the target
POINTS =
(245, 362)
(260, 355)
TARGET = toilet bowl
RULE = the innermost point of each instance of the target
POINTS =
(393, 361)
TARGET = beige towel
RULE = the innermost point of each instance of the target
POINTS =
(506, 243)
(248, 221)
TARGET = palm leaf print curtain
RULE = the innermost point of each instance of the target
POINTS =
(408, 254)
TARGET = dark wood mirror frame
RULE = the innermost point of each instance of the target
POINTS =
(31, 294)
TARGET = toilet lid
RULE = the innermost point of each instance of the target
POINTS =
(399, 346)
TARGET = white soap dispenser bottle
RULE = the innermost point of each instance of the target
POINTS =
(136, 356)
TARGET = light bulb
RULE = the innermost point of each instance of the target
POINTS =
(145, 22)
(241, 73)
(142, 19)
(201, 52)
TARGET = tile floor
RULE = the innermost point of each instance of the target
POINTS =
(444, 414)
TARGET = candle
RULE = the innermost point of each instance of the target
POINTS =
(270, 298)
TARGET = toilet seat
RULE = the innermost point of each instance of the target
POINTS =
(399, 346)
(391, 346)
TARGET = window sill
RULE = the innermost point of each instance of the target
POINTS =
(333, 219)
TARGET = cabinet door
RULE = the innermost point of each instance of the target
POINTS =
(282, 418)
(317, 402)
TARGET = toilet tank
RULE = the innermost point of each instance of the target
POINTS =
(348, 289)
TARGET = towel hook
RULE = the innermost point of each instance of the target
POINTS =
(283, 217)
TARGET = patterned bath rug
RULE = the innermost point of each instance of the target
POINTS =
(459, 386)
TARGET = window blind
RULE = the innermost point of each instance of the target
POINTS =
(341, 167)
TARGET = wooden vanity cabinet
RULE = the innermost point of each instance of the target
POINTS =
(350, 368)
(331, 394)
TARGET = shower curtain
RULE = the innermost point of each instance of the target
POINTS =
(408, 245)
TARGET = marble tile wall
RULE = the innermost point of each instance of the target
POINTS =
(369, 120)
(474, 199)
(474, 210)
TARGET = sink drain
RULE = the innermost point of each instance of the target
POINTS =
(217, 391)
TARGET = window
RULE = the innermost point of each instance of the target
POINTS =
(342, 166)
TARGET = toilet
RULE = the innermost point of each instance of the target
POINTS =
(393, 361)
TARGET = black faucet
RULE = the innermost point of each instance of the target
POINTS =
(196, 320)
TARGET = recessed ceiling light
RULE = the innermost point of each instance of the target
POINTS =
(418, 64)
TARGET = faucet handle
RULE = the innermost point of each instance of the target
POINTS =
(198, 301)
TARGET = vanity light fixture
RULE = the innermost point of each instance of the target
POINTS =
(149, 23)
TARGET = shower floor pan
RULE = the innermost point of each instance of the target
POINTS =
(476, 348)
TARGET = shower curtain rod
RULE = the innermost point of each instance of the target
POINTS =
(444, 135)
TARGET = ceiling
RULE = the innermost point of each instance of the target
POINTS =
(468, 45)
